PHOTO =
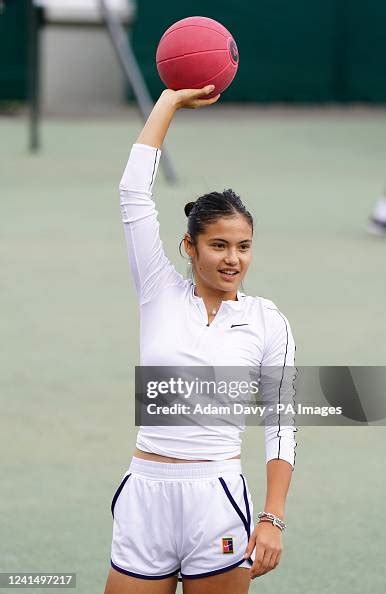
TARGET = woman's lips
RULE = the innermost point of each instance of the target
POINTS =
(229, 277)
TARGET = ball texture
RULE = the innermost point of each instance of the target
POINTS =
(195, 52)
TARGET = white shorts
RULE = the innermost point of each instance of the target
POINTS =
(190, 519)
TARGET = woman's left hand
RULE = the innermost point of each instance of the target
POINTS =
(267, 540)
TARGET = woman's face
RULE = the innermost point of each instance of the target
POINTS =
(223, 253)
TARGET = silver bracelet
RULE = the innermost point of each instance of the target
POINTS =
(272, 518)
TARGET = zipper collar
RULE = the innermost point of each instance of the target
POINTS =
(229, 303)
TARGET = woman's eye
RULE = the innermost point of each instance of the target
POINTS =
(243, 248)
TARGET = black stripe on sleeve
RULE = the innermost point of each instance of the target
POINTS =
(281, 381)
(280, 386)
(155, 163)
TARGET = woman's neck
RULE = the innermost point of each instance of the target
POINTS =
(212, 296)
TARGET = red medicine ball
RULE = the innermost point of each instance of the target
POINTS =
(195, 52)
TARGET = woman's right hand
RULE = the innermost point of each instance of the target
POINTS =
(190, 98)
(158, 122)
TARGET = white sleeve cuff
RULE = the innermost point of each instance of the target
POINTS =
(282, 446)
(141, 169)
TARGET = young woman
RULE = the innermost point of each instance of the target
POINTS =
(184, 507)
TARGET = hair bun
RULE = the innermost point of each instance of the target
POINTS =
(188, 208)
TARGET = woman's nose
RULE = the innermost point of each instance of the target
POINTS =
(231, 258)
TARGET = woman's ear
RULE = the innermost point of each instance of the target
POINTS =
(188, 245)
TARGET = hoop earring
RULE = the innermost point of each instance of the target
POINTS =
(190, 273)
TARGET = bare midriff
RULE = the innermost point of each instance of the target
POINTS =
(157, 458)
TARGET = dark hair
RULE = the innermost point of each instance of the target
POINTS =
(209, 208)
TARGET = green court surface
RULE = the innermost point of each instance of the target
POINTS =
(69, 329)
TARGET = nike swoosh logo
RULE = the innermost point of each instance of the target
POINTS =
(234, 325)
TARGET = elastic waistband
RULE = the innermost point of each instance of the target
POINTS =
(184, 470)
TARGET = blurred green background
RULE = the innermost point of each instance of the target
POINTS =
(300, 51)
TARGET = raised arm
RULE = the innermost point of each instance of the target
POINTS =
(159, 120)
(151, 269)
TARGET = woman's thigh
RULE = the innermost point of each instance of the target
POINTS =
(119, 583)
(234, 581)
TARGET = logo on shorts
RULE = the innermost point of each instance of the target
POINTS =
(227, 544)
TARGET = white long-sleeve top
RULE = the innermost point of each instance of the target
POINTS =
(174, 330)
